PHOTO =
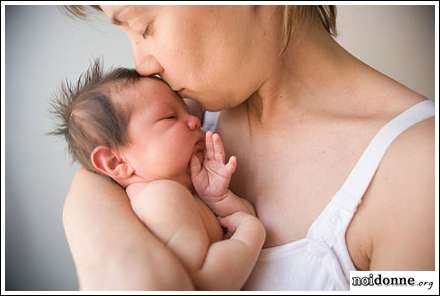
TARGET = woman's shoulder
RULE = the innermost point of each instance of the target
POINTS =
(408, 165)
(400, 201)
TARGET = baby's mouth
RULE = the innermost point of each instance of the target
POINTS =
(199, 149)
(200, 144)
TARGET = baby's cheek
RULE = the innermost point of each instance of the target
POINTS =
(182, 158)
(168, 163)
(173, 156)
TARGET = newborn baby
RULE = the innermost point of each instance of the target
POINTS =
(137, 131)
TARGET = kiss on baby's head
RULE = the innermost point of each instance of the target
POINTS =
(127, 127)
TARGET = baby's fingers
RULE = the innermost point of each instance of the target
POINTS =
(231, 166)
(232, 221)
(209, 145)
(219, 150)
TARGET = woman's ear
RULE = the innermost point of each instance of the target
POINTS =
(109, 162)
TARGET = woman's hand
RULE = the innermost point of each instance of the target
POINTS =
(111, 248)
(211, 179)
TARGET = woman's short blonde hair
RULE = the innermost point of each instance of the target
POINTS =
(295, 15)
(80, 11)
(292, 17)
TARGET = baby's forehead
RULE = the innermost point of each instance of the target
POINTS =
(146, 92)
(153, 86)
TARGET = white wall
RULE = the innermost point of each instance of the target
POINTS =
(44, 46)
(396, 40)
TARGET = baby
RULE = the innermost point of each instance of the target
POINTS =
(137, 131)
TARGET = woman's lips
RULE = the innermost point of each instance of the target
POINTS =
(181, 93)
(185, 93)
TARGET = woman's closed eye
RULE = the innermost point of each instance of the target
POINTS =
(141, 27)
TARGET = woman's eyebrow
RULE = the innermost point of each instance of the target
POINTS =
(115, 16)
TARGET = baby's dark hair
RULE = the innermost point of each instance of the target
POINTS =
(87, 113)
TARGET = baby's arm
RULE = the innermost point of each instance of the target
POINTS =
(171, 213)
(211, 179)
(229, 262)
(228, 204)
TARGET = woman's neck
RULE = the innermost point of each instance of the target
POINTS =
(314, 75)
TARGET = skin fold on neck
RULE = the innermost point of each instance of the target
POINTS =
(315, 75)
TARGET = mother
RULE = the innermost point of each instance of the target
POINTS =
(299, 112)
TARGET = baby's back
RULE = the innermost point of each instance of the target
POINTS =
(182, 222)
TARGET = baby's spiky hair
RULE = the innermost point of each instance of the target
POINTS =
(87, 114)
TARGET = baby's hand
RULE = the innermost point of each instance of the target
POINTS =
(211, 180)
(233, 221)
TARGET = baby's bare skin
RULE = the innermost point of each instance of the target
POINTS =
(190, 229)
(164, 161)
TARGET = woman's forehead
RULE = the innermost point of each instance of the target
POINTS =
(120, 13)
(113, 10)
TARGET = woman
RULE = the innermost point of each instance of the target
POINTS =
(322, 142)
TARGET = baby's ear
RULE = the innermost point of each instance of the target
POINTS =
(109, 162)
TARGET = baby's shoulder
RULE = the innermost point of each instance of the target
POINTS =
(165, 207)
(171, 213)
(164, 192)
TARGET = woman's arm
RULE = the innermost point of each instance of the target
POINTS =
(403, 203)
(111, 248)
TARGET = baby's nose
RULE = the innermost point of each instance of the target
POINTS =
(193, 122)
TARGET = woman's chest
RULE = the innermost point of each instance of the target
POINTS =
(289, 187)
(290, 176)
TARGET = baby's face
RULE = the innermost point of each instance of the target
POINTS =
(163, 135)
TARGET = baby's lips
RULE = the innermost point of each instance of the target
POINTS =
(200, 144)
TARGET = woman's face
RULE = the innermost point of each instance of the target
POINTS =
(213, 54)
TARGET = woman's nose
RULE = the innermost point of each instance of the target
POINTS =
(193, 122)
(145, 62)
(147, 65)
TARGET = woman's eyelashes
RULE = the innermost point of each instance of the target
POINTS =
(145, 33)
(141, 27)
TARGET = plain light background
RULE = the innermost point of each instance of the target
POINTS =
(44, 46)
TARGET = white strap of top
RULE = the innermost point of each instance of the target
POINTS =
(360, 177)
(333, 221)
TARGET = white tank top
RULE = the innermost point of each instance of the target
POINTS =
(321, 261)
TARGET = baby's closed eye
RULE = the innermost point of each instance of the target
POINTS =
(169, 117)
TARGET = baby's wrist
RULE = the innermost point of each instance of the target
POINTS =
(215, 198)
